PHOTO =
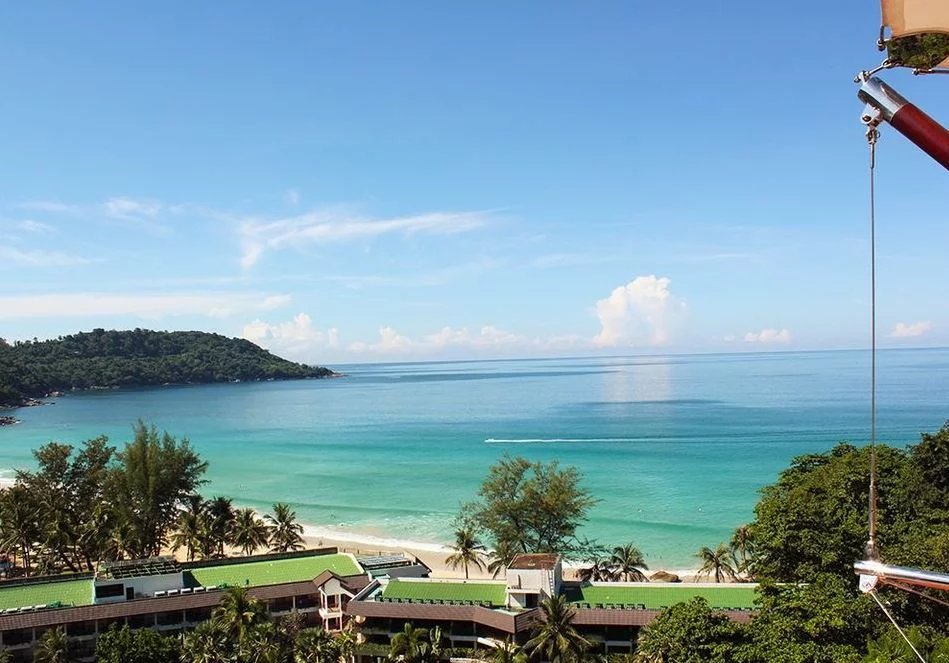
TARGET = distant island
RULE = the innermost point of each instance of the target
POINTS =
(103, 359)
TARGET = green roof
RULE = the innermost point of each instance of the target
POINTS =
(654, 597)
(476, 592)
(68, 592)
(271, 572)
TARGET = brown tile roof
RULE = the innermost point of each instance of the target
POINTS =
(352, 584)
(503, 621)
(535, 561)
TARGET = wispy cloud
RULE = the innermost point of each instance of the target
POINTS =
(329, 226)
(130, 209)
(147, 306)
(10, 256)
(31, 226)
(911, 330)
(769, 337)
(51, 206)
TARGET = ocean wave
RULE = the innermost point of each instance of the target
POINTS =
(568, 440)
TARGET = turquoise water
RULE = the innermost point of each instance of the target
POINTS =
(675, 447)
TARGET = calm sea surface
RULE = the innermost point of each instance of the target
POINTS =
(675, 448)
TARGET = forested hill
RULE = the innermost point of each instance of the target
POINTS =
(140, 357)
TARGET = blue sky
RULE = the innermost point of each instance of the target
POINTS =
(379, 181)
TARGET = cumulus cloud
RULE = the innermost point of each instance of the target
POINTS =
(642, 312)
(146, 306)
(297, 339)
(329, 226)
(10, 256)
(769, 337)
(911, 330)
(300, 339)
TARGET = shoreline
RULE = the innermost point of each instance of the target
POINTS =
(430, 553)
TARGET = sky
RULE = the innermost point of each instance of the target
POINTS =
(408, 181)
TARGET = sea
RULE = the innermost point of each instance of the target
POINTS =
(674, 448)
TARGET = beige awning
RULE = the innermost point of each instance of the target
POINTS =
(915, 17)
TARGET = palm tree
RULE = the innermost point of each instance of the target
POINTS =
(312, 646)
(628, 562)
(508, 651)
(499, 560)
(743, 547)
(238, 613)
(555, 639)
(53, 647)
(248, 532)
(187, 535)
(600, 570)
(208, 643)
(467, 551)
(221, 513)
(285, 531)
(718, 562)
(410, 645)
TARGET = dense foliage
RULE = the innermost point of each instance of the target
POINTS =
(531, 507)
(814, 519)
(82, 506)
(139, 357)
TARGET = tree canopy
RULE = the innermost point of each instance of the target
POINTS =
(529, 506)
(139, 357)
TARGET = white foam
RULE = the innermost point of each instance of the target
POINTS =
(371, 540)
(540, 440)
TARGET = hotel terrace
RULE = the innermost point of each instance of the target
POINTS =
(379, 594)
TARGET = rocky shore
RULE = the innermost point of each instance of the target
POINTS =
(7, 420)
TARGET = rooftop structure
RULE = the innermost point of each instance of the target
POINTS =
(535, 561)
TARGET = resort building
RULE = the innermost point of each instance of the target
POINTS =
(379, 593)
(481, 613)
(172, 597)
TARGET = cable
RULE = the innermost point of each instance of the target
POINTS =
(886, 612)
(872, 550)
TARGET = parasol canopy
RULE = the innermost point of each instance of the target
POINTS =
(919, 32)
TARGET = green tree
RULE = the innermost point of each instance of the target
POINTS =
(238, 613)
(628, 563)
(285, 532)
(139, 646)
(467, 549)
(190, 527)
(554, 638)
(155, 475)
(411, 645)
(207, 643)
(220, 513)
(531, 507)
(743, 547)
(508, 651)
(601, 569)
(718, 563)
(53, 647)
(820, 622)
(689, 633)
(248, 532)
(314, 645)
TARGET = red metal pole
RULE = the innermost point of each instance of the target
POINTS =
(927, 134)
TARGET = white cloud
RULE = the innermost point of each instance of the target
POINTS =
(50, 206)
(729, 338)
(644, 311)
(297, 339)
(328, 226)
(130, 209)
(37, 258)
(31, 226)
(292, 197)
(911, 330)
(769, 337)
(148, 306)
